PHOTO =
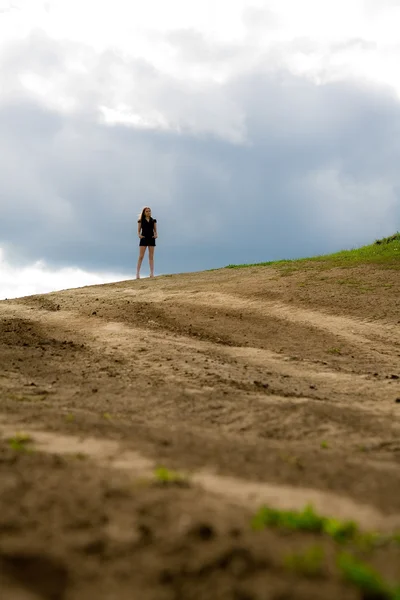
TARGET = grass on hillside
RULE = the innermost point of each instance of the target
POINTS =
(385, 252)
(352, 546)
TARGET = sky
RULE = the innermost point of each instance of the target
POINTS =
(256, 130)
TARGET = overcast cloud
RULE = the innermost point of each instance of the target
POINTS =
(255, 137)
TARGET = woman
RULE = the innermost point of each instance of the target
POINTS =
(147, 232)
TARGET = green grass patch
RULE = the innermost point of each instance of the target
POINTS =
(384, 252)
(305, 520)
(20, 442)
(166, 477)
(366, 579)
(310, 521)
(311, 562)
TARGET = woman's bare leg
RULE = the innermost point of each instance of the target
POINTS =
(151, 260)
(142, 250)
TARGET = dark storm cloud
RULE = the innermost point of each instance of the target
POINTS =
(317, 170)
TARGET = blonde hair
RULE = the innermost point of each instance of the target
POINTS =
(141, 214)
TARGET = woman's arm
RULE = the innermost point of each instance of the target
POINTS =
(155, 231)
(139, 227)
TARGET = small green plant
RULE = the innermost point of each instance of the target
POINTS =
(107, 416)
(334, 351)
(309, 563)
(324, 445)
(362, 576)
(305, 520)
(165, 477)
(20, 442)
(70, 418)
(341, 531)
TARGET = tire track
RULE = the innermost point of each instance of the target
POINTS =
(356, 331)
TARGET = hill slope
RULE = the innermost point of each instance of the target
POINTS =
(268, 385)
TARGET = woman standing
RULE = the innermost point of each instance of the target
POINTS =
(147, 232)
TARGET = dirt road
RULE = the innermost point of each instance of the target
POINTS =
(259, 385)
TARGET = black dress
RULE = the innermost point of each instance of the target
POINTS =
(147, 229)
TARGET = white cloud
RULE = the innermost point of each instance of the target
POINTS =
(112, 88)
(250, 30)
(16, 282)
(203, 106)
(163, 65)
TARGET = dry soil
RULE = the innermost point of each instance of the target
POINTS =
(259, 385)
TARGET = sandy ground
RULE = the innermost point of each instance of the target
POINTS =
(260, 385)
